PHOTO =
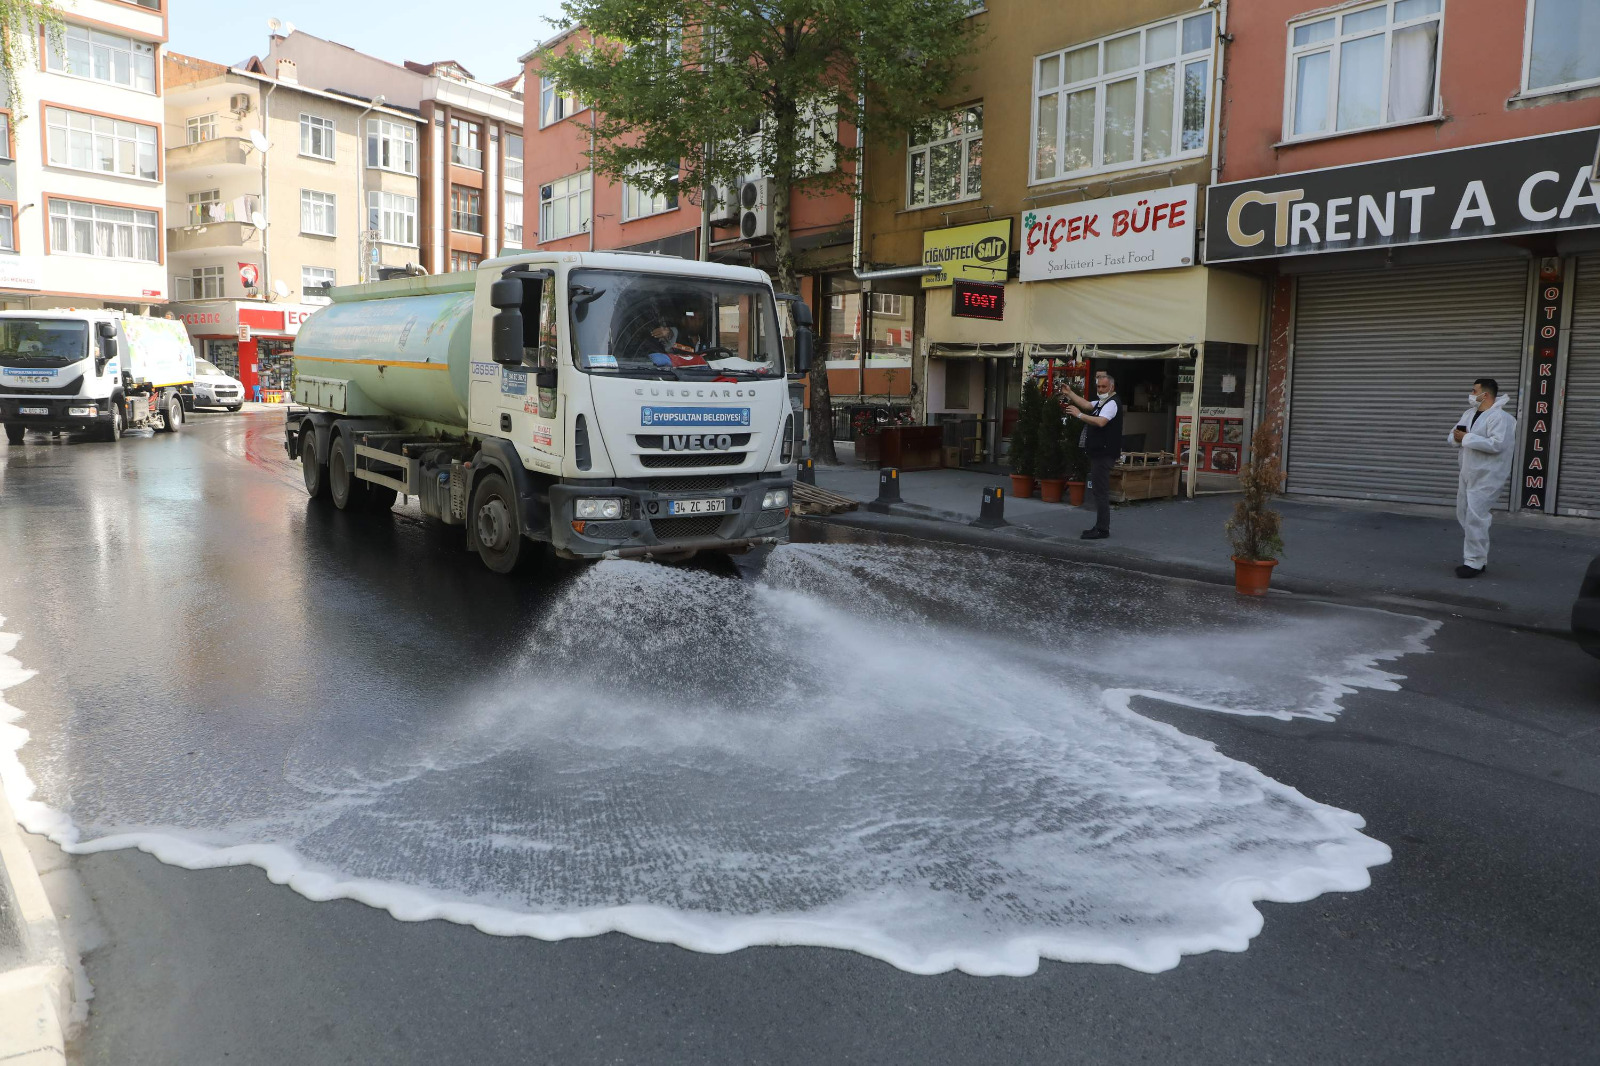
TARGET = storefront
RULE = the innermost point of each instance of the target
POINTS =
(1400, 286)
(251, 340)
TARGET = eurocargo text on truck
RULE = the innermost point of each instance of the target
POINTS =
(614, 405)
(102, 371)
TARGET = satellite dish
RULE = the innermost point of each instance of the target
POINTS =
(282, 27)
(258, 220)
(280, 288)
(259, 140)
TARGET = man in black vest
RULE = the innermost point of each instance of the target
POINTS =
(1102, 439)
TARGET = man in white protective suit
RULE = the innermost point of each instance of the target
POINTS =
(1486, 435)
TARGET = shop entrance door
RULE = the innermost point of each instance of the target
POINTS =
(1578, 484)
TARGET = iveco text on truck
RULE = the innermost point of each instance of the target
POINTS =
(103, 371)
(614, 405)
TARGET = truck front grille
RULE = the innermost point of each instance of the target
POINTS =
(658, 442)
(703, 483)
(703, 525)
(66, 388)
(691, 459)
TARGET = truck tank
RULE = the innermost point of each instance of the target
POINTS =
(400, 348)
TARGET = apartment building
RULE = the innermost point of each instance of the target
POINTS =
(469, 151)
(1069, 179)
(81, 201)
(275, 191)
(1413, 179)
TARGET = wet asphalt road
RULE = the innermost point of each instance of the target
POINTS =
(1479, 942)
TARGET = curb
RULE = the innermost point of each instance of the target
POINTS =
(35, 998)
(928, 523)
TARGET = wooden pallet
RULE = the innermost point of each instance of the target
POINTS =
(810, 500)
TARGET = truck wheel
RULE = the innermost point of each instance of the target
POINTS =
(380, 498)
(14, 434)
(501, 545)
(113, 431)
(312, 468)
(172, 418)
(348, 490)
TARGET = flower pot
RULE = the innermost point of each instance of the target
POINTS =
(1050, 489)
(1021, 486)
(1075, 492)
(1252, 576)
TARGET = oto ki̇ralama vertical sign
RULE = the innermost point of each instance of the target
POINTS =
(1546, 345)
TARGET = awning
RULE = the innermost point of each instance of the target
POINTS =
(975, 351)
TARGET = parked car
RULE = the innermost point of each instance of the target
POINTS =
(213, 388)
(1586, 611)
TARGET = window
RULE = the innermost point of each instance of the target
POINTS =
(314, 281)
(555, 106)
(1125, 100)
(317, 214)
(1372, 66)
(464, 260)
(946, 159)
(820, 126)
(87, 53)
(205, 206)
(8, 228)
(888, 303)
(104, 231)
(393, 216)
(465, 149)
(564, 206)
(205, 283)
(316, 137)
(513, 220)
(1563, 44)
(5, 136)
(513, 144)
(201, 128)
(105, 145)
(641, 203)
(391, 146)
(466, 209)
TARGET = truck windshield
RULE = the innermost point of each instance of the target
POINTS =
(642, 325)
(42, 341)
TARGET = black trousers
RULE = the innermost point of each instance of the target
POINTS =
(1100, 484)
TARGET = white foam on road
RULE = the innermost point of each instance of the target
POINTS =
(929, 756)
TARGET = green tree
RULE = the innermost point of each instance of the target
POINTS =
(1052, 457)
(1025, 434)
(703, 92)
(20, 21)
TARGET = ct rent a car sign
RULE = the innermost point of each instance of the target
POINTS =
(1140, 231)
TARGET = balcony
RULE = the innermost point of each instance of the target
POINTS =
(217, 152)
(213, 236)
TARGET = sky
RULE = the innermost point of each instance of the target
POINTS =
(487, 41)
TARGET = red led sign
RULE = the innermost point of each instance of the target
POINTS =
(978, 299)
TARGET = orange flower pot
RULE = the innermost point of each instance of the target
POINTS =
(1075, 492)
(1050, 489)
(1251, 577)
(1021, 486)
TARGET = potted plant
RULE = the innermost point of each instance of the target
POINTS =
(1051, 461)
(1025, 440)
(1255, 529)
(1077, 466)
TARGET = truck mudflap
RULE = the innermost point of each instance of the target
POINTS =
(669, 516)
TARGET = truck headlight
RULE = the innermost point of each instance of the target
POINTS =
(597, 509)
(775, 499)
(83, 412)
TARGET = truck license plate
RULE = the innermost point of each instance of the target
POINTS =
(718, 506)
(33, 410)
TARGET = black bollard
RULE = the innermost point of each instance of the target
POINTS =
(992, 515)
(888, 490)
(807, 474)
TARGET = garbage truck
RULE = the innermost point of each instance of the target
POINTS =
(607, 404)
(101, 371)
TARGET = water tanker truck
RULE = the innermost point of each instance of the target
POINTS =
(613, 405)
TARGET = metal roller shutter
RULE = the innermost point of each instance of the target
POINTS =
(1383, 362)
(1578, 491)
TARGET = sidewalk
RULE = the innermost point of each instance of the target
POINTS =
(1389, 555)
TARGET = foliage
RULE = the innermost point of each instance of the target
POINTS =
(1025, 434)
(1052, 457)
(691, 93)
(1077, 459)
(1254, 529)
(20, 21)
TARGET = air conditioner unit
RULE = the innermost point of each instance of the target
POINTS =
(755, 208)
(724, 205)
(239, 103)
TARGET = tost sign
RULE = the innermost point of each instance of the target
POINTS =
(1532, 185)
(978, 299)
(979, 252)
(1113, 235)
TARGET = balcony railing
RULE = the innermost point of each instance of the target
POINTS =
(235, 235)
(239, 209)
(463, 156)
(216, 152)
(466, 222)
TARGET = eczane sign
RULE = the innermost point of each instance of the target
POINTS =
(1115, 235)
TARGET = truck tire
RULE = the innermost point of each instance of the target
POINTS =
(501, 545)
(313, 469)
(14, 433)
(380, 498)
(112, 432)
(172, 416)
(349, 492)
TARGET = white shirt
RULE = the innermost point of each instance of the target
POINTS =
(1106, 408)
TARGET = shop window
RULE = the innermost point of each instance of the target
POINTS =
(945, 162)
(316, 137)
(565, 205)
(201, 128)
(224, 355)
(100, 144)
(1563, 45)
(1123, 101)
(1371, 66)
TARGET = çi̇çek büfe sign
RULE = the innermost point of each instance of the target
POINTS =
(1140, 231)
(1532, 185)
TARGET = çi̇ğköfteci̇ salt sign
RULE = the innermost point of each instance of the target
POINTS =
(978, 252)
(1140, 231)
(1533, 185)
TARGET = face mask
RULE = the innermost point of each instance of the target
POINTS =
(1103, 393)
(1472, 399)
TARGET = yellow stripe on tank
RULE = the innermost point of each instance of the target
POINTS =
(372, 362)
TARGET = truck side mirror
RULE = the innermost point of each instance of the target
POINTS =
(804, 339)
(106, 331)
(506, 345)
